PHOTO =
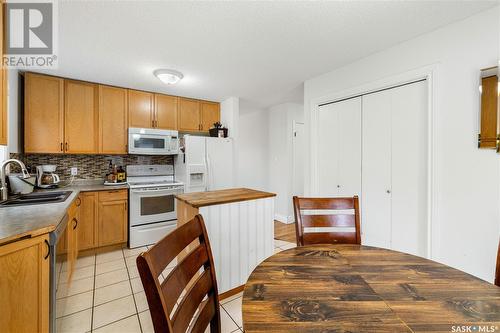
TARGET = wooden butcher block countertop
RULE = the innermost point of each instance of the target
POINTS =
(210, 198)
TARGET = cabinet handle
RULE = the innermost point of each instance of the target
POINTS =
(76, 223)
(48, 249)
(78, 202)
(61, 147)
(67, 146)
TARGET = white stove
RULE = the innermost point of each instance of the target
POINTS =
(153, 212)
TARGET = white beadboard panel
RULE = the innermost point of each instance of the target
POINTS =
(241, 236)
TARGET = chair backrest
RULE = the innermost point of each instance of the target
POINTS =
(327, 220)
(497, 273)
(193, 278)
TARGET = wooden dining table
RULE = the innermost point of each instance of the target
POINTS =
(354, 288)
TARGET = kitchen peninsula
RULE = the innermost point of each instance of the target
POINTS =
(240, 225)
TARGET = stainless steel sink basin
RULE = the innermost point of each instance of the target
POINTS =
(36, 198)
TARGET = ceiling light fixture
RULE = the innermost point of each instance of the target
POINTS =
(168, 76)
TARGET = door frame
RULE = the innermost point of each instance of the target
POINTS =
(430, 74)
(294, 128)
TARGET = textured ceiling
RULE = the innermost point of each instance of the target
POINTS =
(259, 51)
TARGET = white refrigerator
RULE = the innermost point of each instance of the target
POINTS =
(205, 163)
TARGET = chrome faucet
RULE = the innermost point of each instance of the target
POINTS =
(3, 184)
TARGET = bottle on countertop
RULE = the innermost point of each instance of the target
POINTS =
(111, 175)
(121, 175)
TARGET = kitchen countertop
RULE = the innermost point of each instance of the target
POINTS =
(33, 220)
(209, 198)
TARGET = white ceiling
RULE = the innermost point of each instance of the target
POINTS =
(259, 51)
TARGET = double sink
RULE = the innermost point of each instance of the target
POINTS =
(36, 198)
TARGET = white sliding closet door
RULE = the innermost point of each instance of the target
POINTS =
(328, 150)
(339, 148)
(394, 172)
(350, 149)
(409, 168)
(376, 175)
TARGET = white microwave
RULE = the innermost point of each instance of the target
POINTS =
(146, 141)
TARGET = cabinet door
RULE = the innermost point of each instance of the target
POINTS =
(87, 221)
(3, 87)
(43, 114)
(80, 117)
(24, 285)
(166, 111)
(376, 171)
(72, 238)
(112, 224)
(113, 123)
(210, 113)
(189, 115)
(3, 107)
(140, 109)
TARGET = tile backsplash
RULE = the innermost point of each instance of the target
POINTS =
(89, 166)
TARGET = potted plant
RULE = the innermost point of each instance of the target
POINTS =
(218, 131)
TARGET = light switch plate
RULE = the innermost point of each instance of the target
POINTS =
(74, 171)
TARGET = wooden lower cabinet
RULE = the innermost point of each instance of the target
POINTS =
(112, 217)
(87, 232)
(102, 220)
(24, 285)
(72, 231)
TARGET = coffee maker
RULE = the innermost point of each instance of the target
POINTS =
(45, 176)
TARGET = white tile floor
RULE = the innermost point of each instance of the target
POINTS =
(106, 295)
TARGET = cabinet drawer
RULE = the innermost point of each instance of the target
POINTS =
(113, 195)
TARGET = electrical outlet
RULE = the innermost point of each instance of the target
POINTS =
(74, 171)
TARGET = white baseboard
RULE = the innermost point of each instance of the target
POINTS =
(283, 218)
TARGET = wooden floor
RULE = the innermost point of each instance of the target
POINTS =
(284, 231)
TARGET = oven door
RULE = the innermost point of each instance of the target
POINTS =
(153, 204)
(149, 144)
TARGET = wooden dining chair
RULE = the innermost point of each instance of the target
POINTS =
(497, 273)
(314, 214)
(199, 306)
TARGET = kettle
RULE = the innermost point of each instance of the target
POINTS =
(45, 176)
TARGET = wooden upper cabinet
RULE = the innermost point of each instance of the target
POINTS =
(3, 88)
(210, 113)
(24, 285)
(489, 111)
(165, 112)
(3, 108)
(189, 115)
(140, 109)
(113, 122)
(80, 117)
(43, 114)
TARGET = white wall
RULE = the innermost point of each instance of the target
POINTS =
(467, 221)
(253, 148)
(281, 119)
